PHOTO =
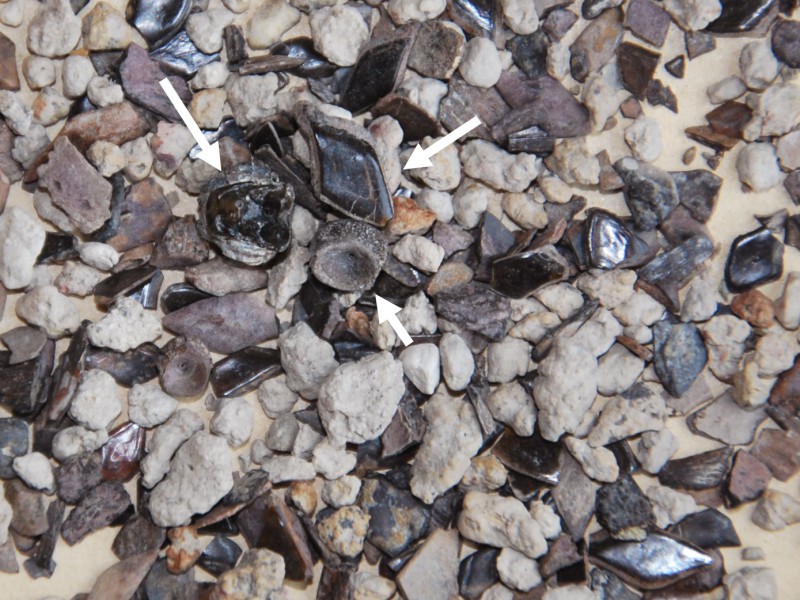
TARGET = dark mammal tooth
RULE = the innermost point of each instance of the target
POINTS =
(184, 367)
(348, 255)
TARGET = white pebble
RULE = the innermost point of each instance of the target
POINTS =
(480, 65)
(96, 403)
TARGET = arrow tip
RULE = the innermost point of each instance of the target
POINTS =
(211, 156)
(418, 159)
(386, 309)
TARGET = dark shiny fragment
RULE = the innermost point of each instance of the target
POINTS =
(181, 245)
(180, 295)
(574, 496)
(314, 64)
(127, 368)
(243, 371)
(609, 242)
(219, 556)
(610, 586)
(122, 452)
(136, 536)
(520, 274)
(739, 16)
(697, 472)
(676, 67)
(477, 573)
(665, 275)
(636, 67)
(707, 529)
(235, 46)
(158, 20)
(181, 56)
(397, 518)
(730, 119)
(414, 120)
(58, 248)
(755, 258)
(476, 17)
(530, 52)
(41, 563)
(23, 386)
(348, 255)
(110, 289)
(650, 193)
(532, 456)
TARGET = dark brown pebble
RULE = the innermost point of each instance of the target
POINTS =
(113, 287)
(137, 535)
(235, 46)
(244, 370)
(140, 77)
(707, 529)
(78, 475)
(730, 118)
(336, 583)
(437, 49)
(698, 43)
(704, 134)
(562, 553)
(464, 101)
(269, 63)
(530, 456)
(623, 510)
(13, 443)
(101, 507)
(792, 185)
(558, 22)
(41, 563)
(9, 77)
(406, 428)
(631, 108)
(755, 258)
(414, 120)
(29, 518)
(184, 367)
(122, 452)
(792, 234)
(596, 44)
(314, 64)
(698, 471)
(665, 275)
(181, 245)
(477, 573)
(650, 193)
(530, 52)
(658, 94)
(127, 368)
(676, 67)
(24, 386)
(518, 275)
(747, 480)
(648, 21)
(121, 580)
(144, 215)
(780, 451)
(755, 308)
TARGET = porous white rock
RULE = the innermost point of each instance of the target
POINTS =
(654, 449)
(39, 71)
(502, 170)
(758, 65)
(775, 352)
(275, 396)
(166, 439)
(199, 476)
(602, 95)
(49, 310)
(54, 30)
(788, 150)
(287, 277)
(18, 115)
(518, 571)
(105, 28)
(562, 298)
(480, 65)
(170, 145)
(776, 112)
(126, 326)
(507, 359)
(233, 421)
(208, 107)
(512, 405)
(339, 33)
(503, 522)
(421, 366)
(405, 11)
(693, 15)
(439, 202)
(138, 159)
(470, 201)
(425, 92)
(547, 518)
(534, 326)
(457, 361)
(751, 583)
(107, 157)
(485, 474)
(617, 370)
(288, 468)
(419, 252)
(669, 506)
(497, 592)
(598, 463)
(725, 337)
(554, 190)
(78, 279)
(307, 360)
(358, 400)
(643, 137)
(444, 174)
(418, 315)
(98, 255)
(453, 436)
(344, 531)
(730, 88)
(571, 592)
(598, 333)
(757, 165)
(27, 148)
(331, 460)
(269, 22)
(750, 389)
(640, 308)
(12, 13)
(104, 92)
(304, 226)
(49, 107)
(787, 307)
(252, 98)
(524, 211)
(36, 471)
(205, 28)
(610, 288)
(342, 491)
(77, 440)
(96, 403)
(625, 416)
(369, 586)
(21, 241)
(149, 405)
(76, 73)
(520, 15)
(212, 75)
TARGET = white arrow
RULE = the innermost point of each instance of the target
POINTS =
(208, 152)
(388, 312)
(422, 158)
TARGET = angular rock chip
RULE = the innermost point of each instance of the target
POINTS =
(680, 355)
(623, 510)
(724, 420)
(476, 307)
(99, 508)
(780, 451)
(697, 472)
(707, 529)
(432, 572)
(650, 193)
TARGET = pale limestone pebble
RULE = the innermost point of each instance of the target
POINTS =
(757, 165)
(598, 333)
(520, 15)
(210, 76)
(562, 398)
(758, 65)
(730, 88)
(617, 370)
(282, 433)
(522, 307)
(307, 359)
(344, 531)
(358, 400)
(405, 11)
(725, 337)
(331, 460)
(623, 417)
(170, 145)
(571, 592)
(47, 211)
(288, 468)
(547, 518)
(598, 463)
(12, 13)
(252, 98)
(503, 522)
(36, 471)
(750, 389)
(96, 403)
(788, 150)
(105, 28)
(693, 15)
(288, 276)
(76, 73)
(209, 107)
(512, 405)
(17, 114)
(453, 436)
(138, 159)
(419, 252)
(205, 28)
(99, 255)
(418, 315)
(259, 574)
(342, 491)
(166, 439)
(310, 5)
(439, 202)
(670, 506)
(193, 175)
(558, 59)
(610, 288)
(149, 405)
(6, 514)
(339, 33)
(524, 211)
(425, 92)
(78, 279)
(306, 441)
(269, 22)
(104, 92)
(776, 112)
(77, 440)
(775, 352)
(480, 65)
(275, 397)
(304, 226)
(602, 95)
(421, 365)
(54, 30)
(369, 586)
(126, 326)
(38, 71)
(774, 511)
(233, 421)
(300, 149)
(106, 157)
(700, 302)
(470, 202)
(643, 137)
(641, 333)
(29, 147)
(507, 360)
(561, 298)
(497, 592)
(485, 474)
(49, 310)
(388, 135)
(237, 6)
(654, 449)
(787, 307)
(199, 476)
(383, 335)
(517, 571)
(751, 583)
(501, 170)
(554, 190)
(535, 326)
(640, 308)
(458, 364)
(444, 174)
(573, 162)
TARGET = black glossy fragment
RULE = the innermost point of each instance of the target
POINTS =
(680, 355)
(219, 556)
(147, 293)
(138, 365)
(475, 17)
(518, 275)
(495, 239)
(13, 443)
(739, 16)
(180, 295)
(707, 529)
(697, 472)
(235, 46)
(101, 507)
(181, 56)
(698, 191)
(314, 65)
(609, 242)
(533, 140)
(397, 518)
(478, 392)
(113, 287)
(316, 306)
(623, 510)
(160, 584)
(626, 459)
(41, 563)
(378, 70)
(346, 173)
(58, 248)
(244, 370)
(650, 193)
(159, 20)
(609, 586)
(404, 273)
(477, 573)
(476, 307)
(23, 386)
(415, 121)
(532, 456)
(755, 258)
(676, 67)
(530, 52)
(653, 563)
